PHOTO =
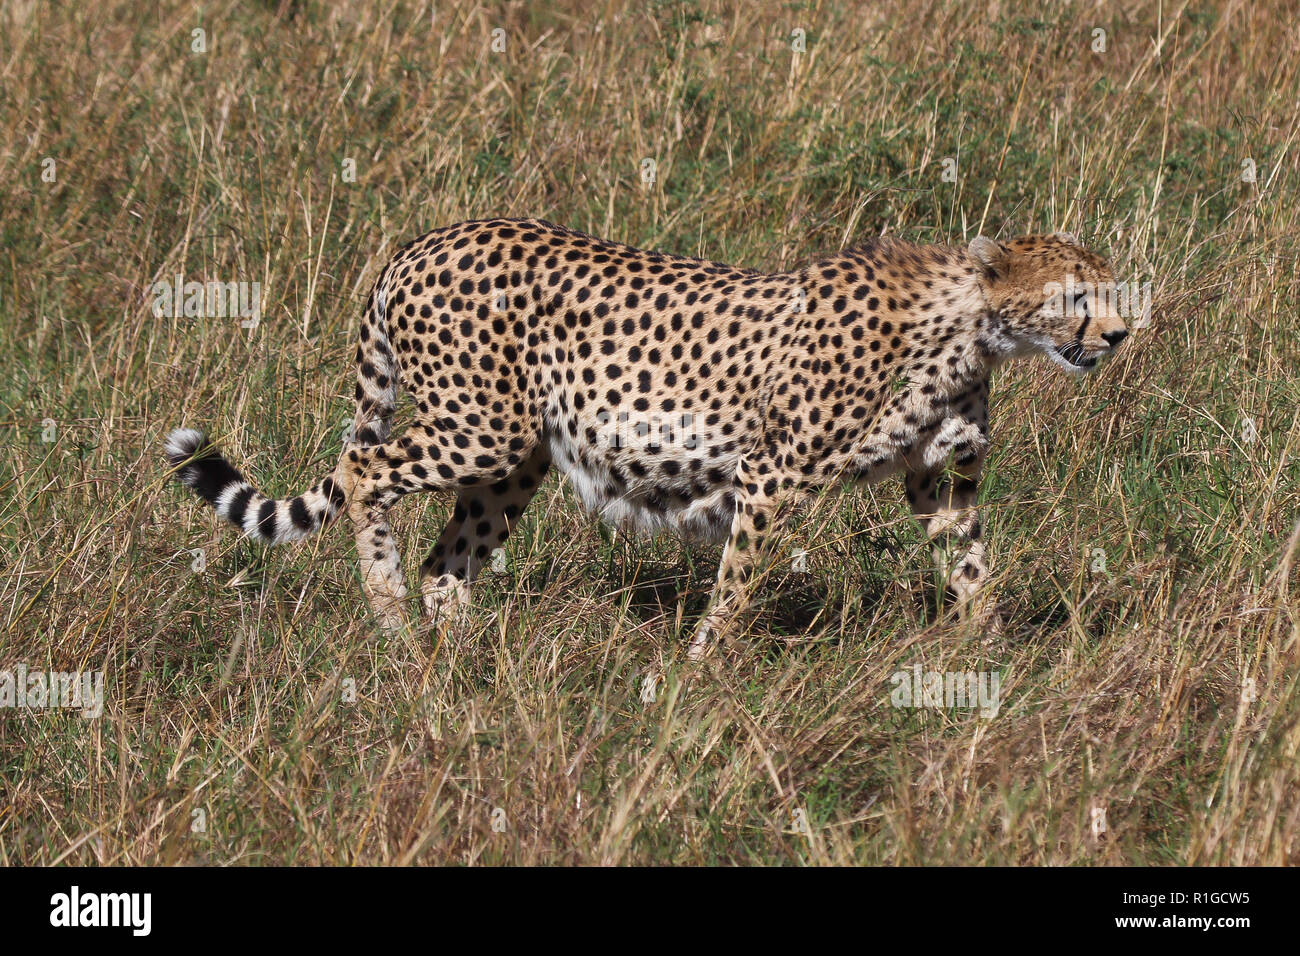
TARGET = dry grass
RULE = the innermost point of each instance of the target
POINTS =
(228, 691)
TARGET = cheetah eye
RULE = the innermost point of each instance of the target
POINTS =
(1079, 304)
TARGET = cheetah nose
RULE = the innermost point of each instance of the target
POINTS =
(1115, 337)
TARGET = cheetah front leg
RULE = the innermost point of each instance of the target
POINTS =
(757, 519)
(745, 554)
(944, 501)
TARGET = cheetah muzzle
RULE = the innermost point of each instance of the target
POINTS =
(673, 393)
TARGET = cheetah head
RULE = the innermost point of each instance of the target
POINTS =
(1052, 296)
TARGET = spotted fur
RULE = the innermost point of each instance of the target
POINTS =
(673, 393)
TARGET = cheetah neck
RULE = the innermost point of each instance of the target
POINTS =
(933, 297)
(982, 337)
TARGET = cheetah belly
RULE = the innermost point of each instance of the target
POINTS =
(690, 504)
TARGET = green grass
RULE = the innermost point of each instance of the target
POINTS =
(257, 697)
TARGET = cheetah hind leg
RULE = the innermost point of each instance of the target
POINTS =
(444, 594)
(381, 567)
(373, 478)
(481, 521)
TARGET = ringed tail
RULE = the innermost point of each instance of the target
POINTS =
(203, 469)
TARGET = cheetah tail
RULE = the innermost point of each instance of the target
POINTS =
(200, 467)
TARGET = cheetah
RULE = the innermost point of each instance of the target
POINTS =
(674, 393)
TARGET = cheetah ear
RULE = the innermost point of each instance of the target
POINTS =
(989, 254)
(1069, 237)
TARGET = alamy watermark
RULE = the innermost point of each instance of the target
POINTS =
(48, 690)
(947, 689)
(647, 431)
(75, 908)
(212, 299)
(1128, 300)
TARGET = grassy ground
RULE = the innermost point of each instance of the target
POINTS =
(1142, 522)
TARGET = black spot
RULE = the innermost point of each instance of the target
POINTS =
(299, 515)
(266, 520)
